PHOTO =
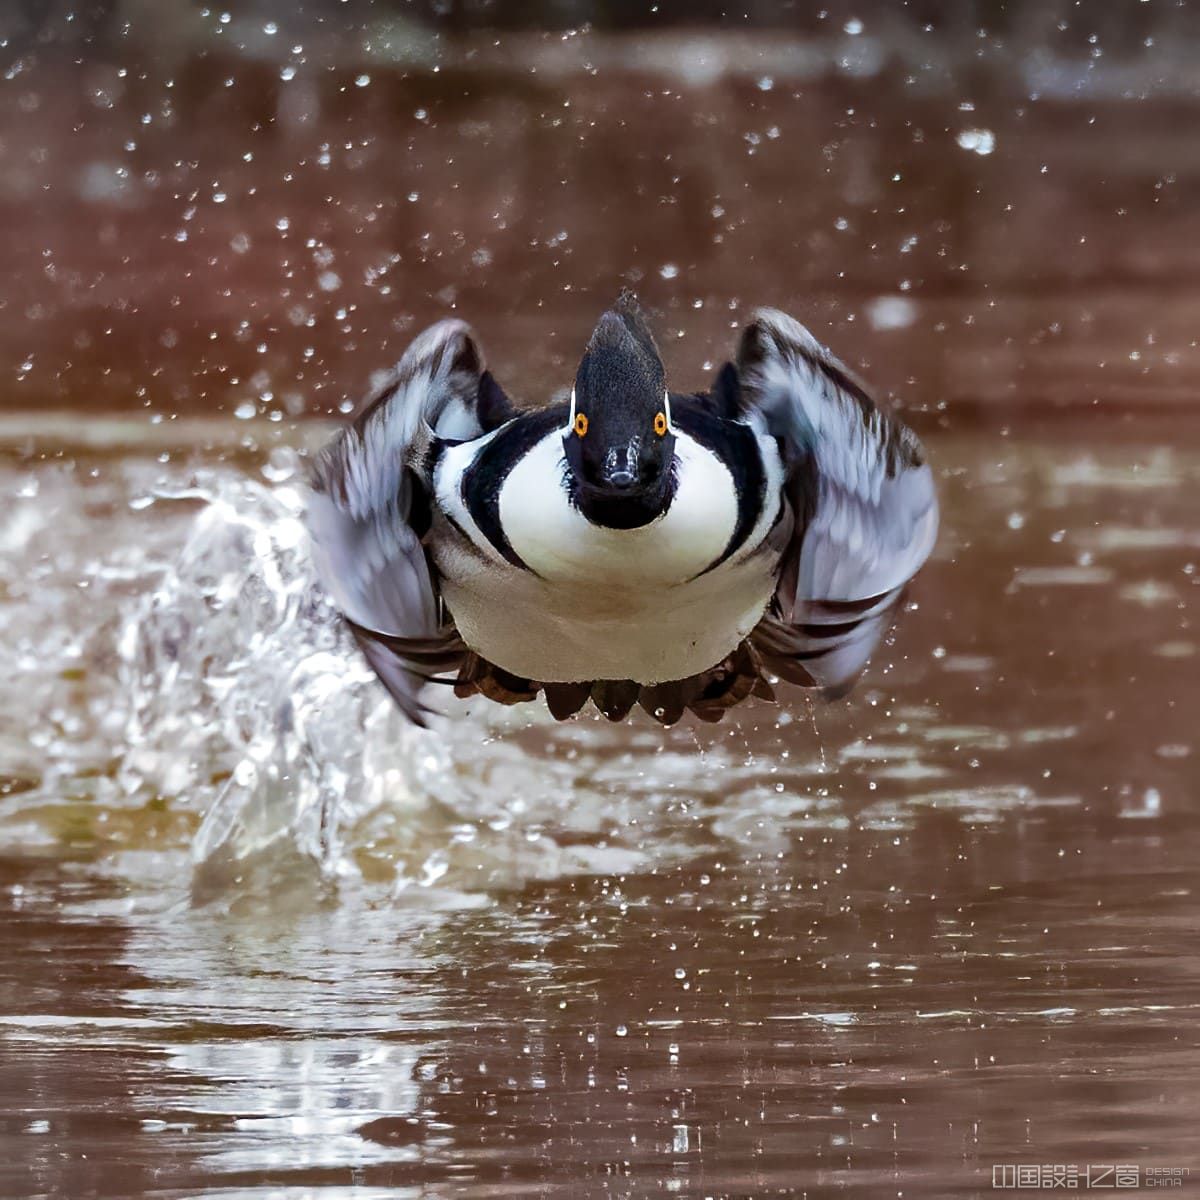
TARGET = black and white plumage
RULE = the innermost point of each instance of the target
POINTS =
(632, 546)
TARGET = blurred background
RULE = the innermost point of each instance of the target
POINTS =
(977, 203)
(260, 938)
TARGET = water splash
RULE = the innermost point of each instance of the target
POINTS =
(248, 698)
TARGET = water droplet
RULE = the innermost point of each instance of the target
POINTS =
(979, 141)
(891, 312)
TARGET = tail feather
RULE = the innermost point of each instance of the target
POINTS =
(827, 653)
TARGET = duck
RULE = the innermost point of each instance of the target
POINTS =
(627, 545)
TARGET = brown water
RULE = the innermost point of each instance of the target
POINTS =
(260, 938)
(876, 947)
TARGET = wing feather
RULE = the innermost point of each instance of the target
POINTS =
(862, 495)
(369, 499)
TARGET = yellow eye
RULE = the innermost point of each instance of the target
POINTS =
(660, 423)
(580, 424)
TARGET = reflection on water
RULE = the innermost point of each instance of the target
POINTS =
(260, 934)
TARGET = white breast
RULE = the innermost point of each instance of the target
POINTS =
(559, 543)
(602, 603)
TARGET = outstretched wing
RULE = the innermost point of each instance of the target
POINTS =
(862, 498)
(369, 507)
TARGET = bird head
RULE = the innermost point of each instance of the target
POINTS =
(618, 442)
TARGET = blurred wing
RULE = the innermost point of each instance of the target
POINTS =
(369, 508)
(862, 497)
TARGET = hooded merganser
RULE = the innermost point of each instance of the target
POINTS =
(631, 545)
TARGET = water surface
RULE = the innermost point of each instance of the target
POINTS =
(260, 938)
